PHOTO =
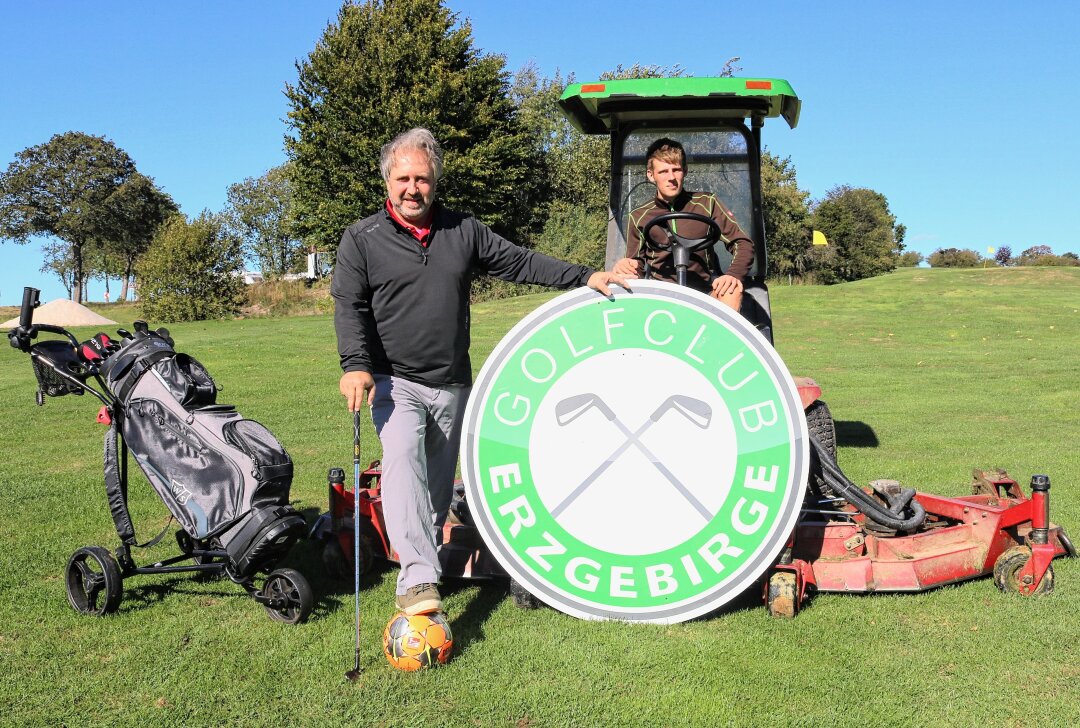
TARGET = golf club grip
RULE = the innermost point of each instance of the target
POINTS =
(356, 441)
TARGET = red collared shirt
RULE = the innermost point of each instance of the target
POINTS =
(422, 234)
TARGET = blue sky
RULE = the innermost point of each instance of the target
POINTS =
(961, 113)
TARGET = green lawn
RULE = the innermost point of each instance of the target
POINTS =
(929, 373)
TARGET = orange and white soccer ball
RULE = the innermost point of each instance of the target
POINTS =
(413, 643)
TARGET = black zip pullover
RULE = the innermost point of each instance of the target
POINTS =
(403, 309)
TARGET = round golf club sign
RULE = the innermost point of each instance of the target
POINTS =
(641, 458)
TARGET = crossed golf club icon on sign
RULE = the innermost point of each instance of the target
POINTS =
(695, 411)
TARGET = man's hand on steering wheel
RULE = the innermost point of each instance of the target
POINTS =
(627, 267)
(726, 285)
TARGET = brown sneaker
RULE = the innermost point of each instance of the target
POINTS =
(419, 599)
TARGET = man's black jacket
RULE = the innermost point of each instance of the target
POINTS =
(403, 309)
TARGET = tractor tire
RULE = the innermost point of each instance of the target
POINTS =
(339, 566)
(1007, 570)
(335, 563)
(522, 597)
(819, 422)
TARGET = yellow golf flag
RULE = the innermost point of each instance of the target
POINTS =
(819, 238)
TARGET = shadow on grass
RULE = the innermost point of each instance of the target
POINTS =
(749, 600)
(468, 628)
(305, 557)
(855, 434)
(146, 595)
(333, 593)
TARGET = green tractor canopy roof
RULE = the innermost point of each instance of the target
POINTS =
(596, 107)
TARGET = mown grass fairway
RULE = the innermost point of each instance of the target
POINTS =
(929, 373)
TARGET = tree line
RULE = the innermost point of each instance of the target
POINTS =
(384, 66)
(1036, 255)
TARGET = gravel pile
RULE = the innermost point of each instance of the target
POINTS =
(62, 312)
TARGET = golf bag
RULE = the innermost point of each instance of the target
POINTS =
(225, 479)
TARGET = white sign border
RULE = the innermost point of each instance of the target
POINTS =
(749, 570)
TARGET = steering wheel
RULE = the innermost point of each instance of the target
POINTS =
(681, 247)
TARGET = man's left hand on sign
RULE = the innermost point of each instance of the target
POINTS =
(356, 387)
(600, 280)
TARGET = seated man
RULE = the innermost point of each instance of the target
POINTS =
(666, 167)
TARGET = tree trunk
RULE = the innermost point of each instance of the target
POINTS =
(129, 265)
(77, 272)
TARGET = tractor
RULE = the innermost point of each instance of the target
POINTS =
(883, 538)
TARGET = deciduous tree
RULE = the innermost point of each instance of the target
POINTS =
(260, 214)
(62, 188)
(954, 258)
(138, 208)
(787, 218)
(909, 259)
(864, 238)
(1041, 255)
(386, 66)
(191, 271)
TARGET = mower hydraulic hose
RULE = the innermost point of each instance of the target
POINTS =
(891, 516)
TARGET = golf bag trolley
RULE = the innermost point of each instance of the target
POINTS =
(224, 479)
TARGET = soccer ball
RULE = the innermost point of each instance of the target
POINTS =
(413, 643)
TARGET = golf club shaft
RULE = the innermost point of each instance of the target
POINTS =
(356, 526)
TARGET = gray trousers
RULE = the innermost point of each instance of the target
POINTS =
(420, 428)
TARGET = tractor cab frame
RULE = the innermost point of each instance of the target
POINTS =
(719, 122)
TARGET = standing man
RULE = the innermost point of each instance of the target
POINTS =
(401, 291)
(665, 167)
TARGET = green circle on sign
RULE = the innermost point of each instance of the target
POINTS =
(641, 458)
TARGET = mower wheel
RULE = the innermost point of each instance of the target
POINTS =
(782, 597)
(93, 581)
(334, 561)
(1007, 570)
(819, 422)
(522, 597)
(290, 595)
(340, 567)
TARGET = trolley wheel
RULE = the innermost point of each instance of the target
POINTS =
(522, 597)
(1007, 570)
(782, 597)
(290, 595)
(93, 582)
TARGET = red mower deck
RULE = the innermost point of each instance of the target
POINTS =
(995, 530)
